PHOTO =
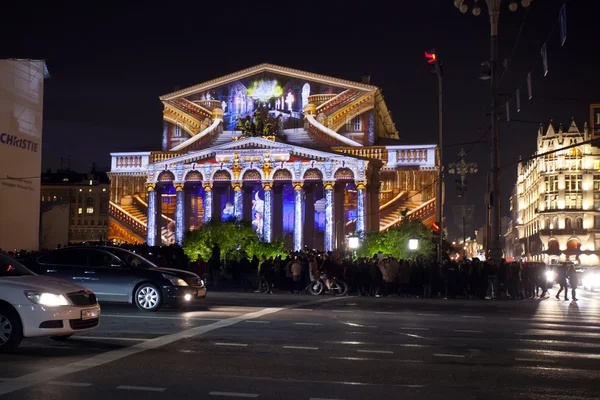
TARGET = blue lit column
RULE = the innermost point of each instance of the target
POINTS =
(179, 213)
(329, 228)
(361, 187)
(238, 200)
(298, 228)
(208, 200)
(268, 216)
(151, 227)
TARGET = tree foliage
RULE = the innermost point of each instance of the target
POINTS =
(260, 124)
(394, 241)
(233, 238)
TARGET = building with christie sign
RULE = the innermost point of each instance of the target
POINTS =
(21, 110)
(303, 156)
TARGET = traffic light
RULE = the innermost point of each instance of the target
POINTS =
(435, 227)
(431, 58)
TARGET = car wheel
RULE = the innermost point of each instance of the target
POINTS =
(148, 297)
(11, 329)
(62, 338)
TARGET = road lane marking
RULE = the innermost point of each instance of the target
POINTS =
(259, 322)
(428, 315)
(234, 394)
(231, 344)
(300, 348)
(54, 373)
(472, 316)
(375, 351)
(307, 323)
(322, 398)
(467, 331)
(534, 360)
(301, 309)
(142, 388)
(342, 311)
(384, 312)
(449, 355)
(84, 337)
(410, 328)
(72, 384)
(160, 317)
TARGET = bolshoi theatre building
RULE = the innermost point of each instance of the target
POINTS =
(304, 157)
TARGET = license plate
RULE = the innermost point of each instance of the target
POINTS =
(90, 314)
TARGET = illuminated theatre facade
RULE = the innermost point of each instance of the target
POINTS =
(304, 157)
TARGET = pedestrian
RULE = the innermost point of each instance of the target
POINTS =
(561, 279)
(296, 270)
(573, 281)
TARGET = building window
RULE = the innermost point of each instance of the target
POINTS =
(92, 222)
(579, 223)
(597, 201)
(596, 164)
(597, 182)
(85, 222)
(573, 183)
(79, 199)
(177, 131)
(90, 205)
(567, 223)
(547, 223)
(356, 125)
(80, 211)
(596, 221)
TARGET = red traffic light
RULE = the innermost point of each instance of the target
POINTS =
(431, 57)
(436, 227)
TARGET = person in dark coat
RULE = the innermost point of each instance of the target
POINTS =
(573, 281)
(561, 279)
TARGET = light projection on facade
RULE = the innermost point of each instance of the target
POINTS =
(264, 91)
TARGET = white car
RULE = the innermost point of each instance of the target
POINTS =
(33, 305)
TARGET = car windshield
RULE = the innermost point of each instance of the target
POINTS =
(133, 259)
(11, 267)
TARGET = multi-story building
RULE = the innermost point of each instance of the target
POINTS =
(74, 208)
(558, 199)
(302, 156)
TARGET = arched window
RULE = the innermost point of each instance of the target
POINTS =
(89, 205)
(553, 244)
(554, 224)
(579, 223)
(547, 223)
(573, 244)
(567, 223)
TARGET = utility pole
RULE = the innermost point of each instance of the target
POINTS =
(432, 58)
(494, 251)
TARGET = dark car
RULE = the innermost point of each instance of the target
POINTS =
(118, 275)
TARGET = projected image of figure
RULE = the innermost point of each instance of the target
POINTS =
(258, 208)
(228, 212)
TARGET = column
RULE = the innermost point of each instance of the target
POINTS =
(208, 202)
(309, 215)
(238, 200)
(375, 186)
(216, 202)
(179, 213)
(278, 210)
(268, 215)
(151, 226)
(248, 190)
(329, 205)
(298, 228)
(339, 223)
(361, 228)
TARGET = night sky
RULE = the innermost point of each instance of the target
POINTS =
(110, 62)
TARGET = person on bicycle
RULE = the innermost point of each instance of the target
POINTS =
(326, 271)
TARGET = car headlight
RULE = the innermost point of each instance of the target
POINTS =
(591, 280)
(175, 281)
(47, 299)
(550, 275)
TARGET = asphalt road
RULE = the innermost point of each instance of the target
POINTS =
(246, 345)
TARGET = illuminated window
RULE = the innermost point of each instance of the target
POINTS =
(80, 210)
(91, 182)
(89, 210)
(596, 164)
(43, 198)
(596, 182)
(104, 189)
(90, 205)
(597, 201)
(177, 131)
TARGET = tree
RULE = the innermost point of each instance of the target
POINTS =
(233, 238)
(394, 241)
(260, 124)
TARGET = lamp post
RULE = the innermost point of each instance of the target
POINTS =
(493, 220)
(354, 243)
(462, 168)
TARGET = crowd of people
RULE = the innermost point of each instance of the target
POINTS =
(379, 275)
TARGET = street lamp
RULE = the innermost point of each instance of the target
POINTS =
(353, 241)
(493, 221)
(413, 244)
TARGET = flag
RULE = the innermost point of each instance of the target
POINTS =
(508, 111)
(529, 92)
(563, 24)
(518, 95)
(544, 54)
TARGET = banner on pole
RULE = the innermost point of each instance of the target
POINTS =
(544, 54)
(529, 92)
(563, 24)
(518, 95)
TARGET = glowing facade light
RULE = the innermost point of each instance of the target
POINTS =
(208, 208)
(151, 233)
(268, 218)
(360, 210)
(298, 194)
(329, 217)
(238, 203)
